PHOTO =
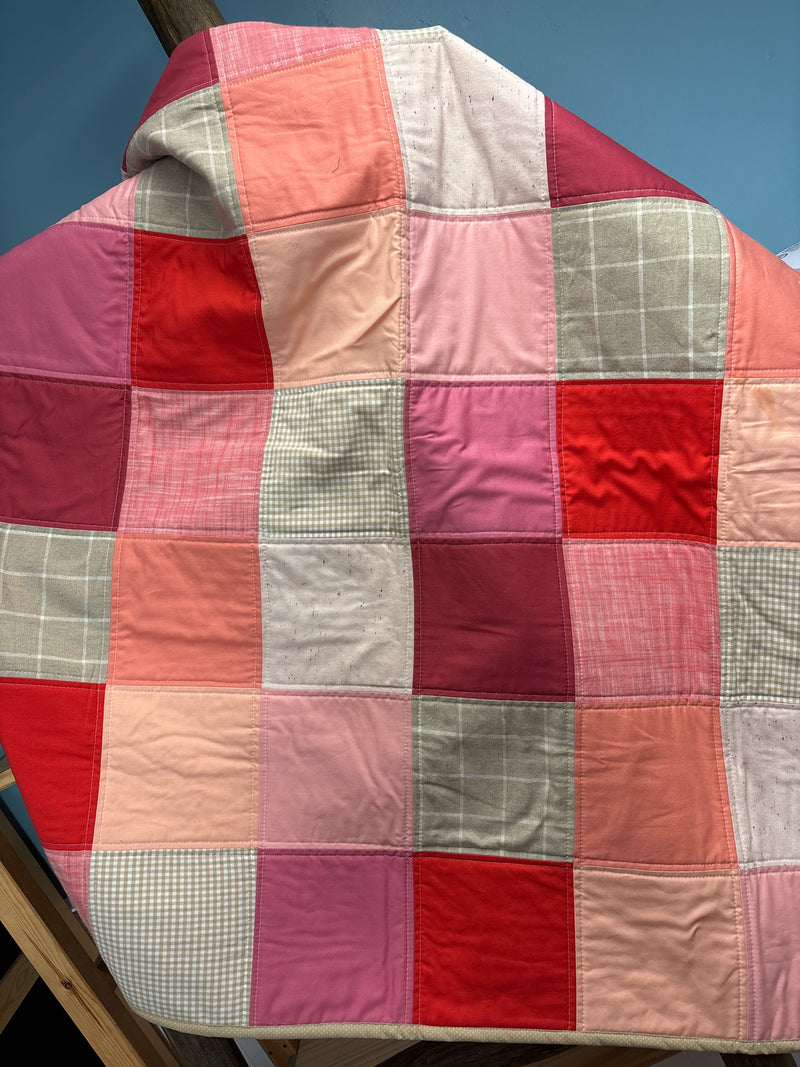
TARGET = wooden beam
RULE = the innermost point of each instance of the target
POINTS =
(175, 20)
(745, 1059)
(6, 774)
(45, 929)
(280, 1052)
(15, 985)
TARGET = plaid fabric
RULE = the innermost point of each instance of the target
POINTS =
(244, 49)
(641, 289)
(193, 131)
(72, 870)
(176, 930)
(759, 610)
(171, 198)
(55, 602)
(644, 619)
(195, 461)
(334, 462)
(493, 776)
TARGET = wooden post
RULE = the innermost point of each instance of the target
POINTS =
(175, 20)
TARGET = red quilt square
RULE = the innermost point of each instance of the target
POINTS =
(63, 450)
(639, 458)
(197, 315)
(494, 939)
(51, 734)
(492, 620)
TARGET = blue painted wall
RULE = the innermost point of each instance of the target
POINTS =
(707, 90)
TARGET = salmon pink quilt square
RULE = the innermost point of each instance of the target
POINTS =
(340, 925)
(773, 952)
(492, 620)
(639, 458)
(481, 458)
(493, 932)
(185, 612)
(645, 619)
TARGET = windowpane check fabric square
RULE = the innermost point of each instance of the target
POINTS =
(400, 563)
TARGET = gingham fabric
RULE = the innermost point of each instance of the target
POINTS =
(399, 581)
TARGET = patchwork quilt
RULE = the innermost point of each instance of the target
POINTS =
(400, 619)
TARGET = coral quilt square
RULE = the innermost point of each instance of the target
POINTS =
(669, 757)
(324, 129)
(759, 609)
(341, 924)
(639, 458)
(492, 620)
(64, 449)
(55, 607)
(689, 968)
(204, 330)
(457, 157)
(194, 463)
(332, 298)
(481, 458)
(337, 615)
(359, 792)
(641, 290)
(156, 913)
(773, 953)
(334, 464)
(466, 317)
(762, 759)
(186, 612)
(489, 932)
(75, 323)
(166, 754)
(759, 469)
(645, 619)
(66, 721)
(493, 777)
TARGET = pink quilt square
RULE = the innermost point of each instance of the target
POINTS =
(773, 952)
(64, 448)
(72, 320)
(195, 461)
(481, 458)
(339, 925)
(645, 619)
(492, 620)
(359, 747)
(185, 612)
(315, 140)
(166, 752)
(72, 870)
(481, 296)
(246, 47)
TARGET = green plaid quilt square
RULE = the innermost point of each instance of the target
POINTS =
(759, 607)
(55, 602)
(494, 776)
(188, 146)
(334, 462)
(176, 929)
(641, 289)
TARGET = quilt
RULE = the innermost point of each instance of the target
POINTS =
(400, 563)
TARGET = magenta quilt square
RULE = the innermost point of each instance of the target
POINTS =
(770, 900)
(72, 321)
(492, 620)
(645, 619)
(481, 458)
(194, 462)
(332, 939)
(63, 447)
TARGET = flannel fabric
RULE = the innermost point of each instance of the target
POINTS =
(400, 563)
